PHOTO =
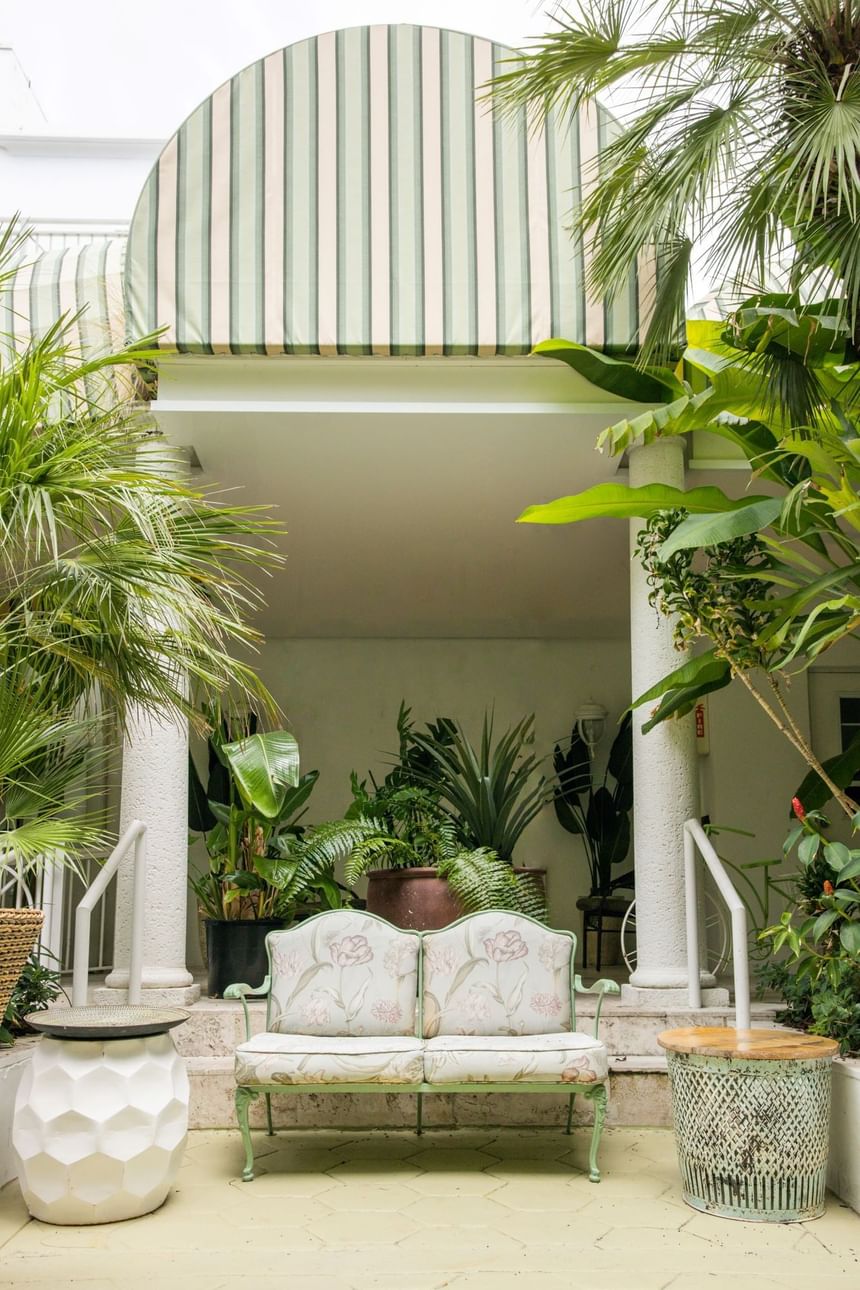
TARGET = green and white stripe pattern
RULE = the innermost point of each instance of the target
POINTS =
(356, 193)
(82, 283)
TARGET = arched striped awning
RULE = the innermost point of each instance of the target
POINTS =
(83, 282)
(356, 193)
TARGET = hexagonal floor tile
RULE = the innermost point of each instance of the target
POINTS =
(436, 1159)
(367, 1228)
(444, 1182)
(455, 1212)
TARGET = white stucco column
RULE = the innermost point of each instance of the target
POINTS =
(155, 791)
(665, 774)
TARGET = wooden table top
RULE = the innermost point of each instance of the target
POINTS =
(755, 1045)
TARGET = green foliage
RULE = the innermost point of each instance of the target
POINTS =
(492, 792)
(406, 821)
(480, 880)
(618, 501)
(820, 978)
(613, 374)
(120, 585)
(600, 814)
(743, 145)
(248, 817)
(37, 988)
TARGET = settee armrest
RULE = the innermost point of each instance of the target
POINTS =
(241, 991)
(600, 988)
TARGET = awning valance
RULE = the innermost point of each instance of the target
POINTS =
(85, 283)
(356, 193)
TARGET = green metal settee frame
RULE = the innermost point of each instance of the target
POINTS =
(596, 1093)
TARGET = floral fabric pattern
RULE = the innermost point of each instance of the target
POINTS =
(344, 973)
(523, 1059)
(496, 974)
(272, 1058)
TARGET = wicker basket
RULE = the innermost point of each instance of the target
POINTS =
(19, 929)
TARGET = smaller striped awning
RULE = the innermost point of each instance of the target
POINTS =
(357, 193)
(83, 283)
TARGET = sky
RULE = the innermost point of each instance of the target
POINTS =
(113, 67)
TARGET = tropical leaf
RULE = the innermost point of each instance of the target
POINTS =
(710, 530)
(264, 767)
(620, 502)
(682, 416)
(842, 769)
(613, 374)
(678, 702)
(701, 670)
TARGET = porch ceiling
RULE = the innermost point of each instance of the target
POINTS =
(400, 509)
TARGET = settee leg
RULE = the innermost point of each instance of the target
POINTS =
(596, 1094)
(570, 1102)
(270, 1132)
(419, 1127)
(244, 1098)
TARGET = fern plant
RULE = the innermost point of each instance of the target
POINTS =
(480, 880)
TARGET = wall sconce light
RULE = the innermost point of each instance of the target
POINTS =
(591, 722)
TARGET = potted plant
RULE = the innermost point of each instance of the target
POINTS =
(423, 865)
(248, 816)
(820, 978)
(599, 814)
(36, 988)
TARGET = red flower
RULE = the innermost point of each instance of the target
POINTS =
(828, 887)
(798, 808)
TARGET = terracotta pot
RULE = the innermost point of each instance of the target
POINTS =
(416, 899)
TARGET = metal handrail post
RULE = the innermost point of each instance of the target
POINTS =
(135, 962)
(83, 914)
(695, 837)
(694, 980)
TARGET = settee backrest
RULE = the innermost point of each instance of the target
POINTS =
(497, 973)
(343, 972)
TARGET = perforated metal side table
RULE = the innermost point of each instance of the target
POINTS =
(752, 1115)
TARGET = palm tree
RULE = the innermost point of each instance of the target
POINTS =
(120, 583)
(739, 141)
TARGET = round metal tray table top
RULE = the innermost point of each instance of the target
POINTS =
(108, 1022)
(759, 1044)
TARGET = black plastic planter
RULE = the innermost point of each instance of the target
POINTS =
(237, 951)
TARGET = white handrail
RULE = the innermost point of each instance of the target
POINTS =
(695, 837)
(134, 835)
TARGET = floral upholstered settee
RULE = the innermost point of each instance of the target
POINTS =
(356, 1005)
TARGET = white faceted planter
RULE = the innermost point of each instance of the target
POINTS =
(100, 1127)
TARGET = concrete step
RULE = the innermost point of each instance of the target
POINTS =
(638, 1085)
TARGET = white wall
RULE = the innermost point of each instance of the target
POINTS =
(749, 777)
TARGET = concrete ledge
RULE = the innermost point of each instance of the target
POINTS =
(638, 1095)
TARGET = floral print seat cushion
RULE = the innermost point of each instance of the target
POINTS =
(271, 1058)
(344, 973)
(497, 974)
(501, 1059)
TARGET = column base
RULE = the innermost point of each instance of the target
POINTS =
(661, 1000)
(177, 996)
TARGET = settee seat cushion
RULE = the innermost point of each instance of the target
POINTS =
(562, 1058)
(272, 1058)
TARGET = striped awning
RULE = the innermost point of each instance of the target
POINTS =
(356, 193)
(82, 282)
